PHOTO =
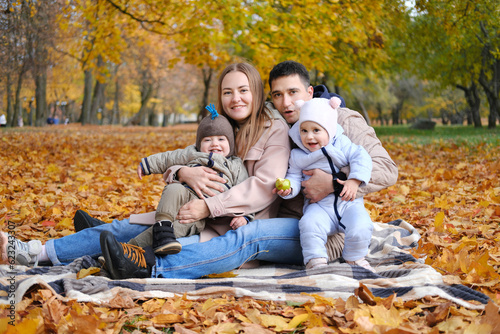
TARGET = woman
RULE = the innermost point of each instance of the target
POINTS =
(262, 142)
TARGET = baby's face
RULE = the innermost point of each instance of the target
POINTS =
(215, 144)
(313, 135)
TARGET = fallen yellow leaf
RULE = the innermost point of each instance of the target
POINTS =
(163, 319)
(86, 272)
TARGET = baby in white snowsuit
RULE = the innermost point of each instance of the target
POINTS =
(323, 145)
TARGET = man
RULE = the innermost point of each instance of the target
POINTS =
(289, 82)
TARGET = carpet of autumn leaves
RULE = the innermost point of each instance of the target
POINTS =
(449, 192)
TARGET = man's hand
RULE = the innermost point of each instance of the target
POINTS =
(193, 211)
(201, 180)
(238, 222)
(318, 186)
(350, 189)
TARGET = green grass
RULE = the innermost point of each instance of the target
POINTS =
(459, 135)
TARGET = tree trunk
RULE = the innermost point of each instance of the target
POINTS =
(40, 68)
(97, 98)
(152, 119)
(491, 89)
(445, 117)
(166, 116)
(31, 112)
(365, 113)
(10, 108)
(18, 102)
(105, 114)
(468, 114)
(493, 104)
(115, 115)
(490, 64)
(207, 78)
(396, 112)
(474, 102)
(71, 111)
(87, 97)
(51, 109)
(146, 95)
(41, 97)
(379, 113)
(140, 118)
(492, 120)
(98, 95)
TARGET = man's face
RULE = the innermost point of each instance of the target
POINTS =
(285, 91)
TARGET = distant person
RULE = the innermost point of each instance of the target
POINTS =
(3, 121)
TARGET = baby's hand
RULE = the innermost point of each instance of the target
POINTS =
(140, 172)
(238, 222)
(282, 193)
(350, 189)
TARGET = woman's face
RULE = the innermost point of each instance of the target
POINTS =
(236, 96)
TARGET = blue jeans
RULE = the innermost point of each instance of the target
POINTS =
(86, 242)
(275, 240)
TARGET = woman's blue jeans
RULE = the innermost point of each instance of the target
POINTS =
(275, 240)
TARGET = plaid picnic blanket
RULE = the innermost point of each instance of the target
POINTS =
(396, 272)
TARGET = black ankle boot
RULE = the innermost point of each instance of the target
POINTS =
(164, 241)
(126, 260)
(83, 220)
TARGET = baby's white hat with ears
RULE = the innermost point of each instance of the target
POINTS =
(321, 111)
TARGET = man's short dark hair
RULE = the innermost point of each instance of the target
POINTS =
(287, 68)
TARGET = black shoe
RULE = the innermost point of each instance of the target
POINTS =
(126, 260)
(83, 220)
(164, 241)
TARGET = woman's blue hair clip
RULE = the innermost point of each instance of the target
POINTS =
(212, 110)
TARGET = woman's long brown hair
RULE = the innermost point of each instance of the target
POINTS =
(248, 133)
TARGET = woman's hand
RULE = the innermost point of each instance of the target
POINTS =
(318, 186)
(201, 180)
(192, 211)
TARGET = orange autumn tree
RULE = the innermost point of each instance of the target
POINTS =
(101, 43)
(336, 39)
(200, 33)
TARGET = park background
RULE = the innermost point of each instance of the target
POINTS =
(156, 62)
(104, 63)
